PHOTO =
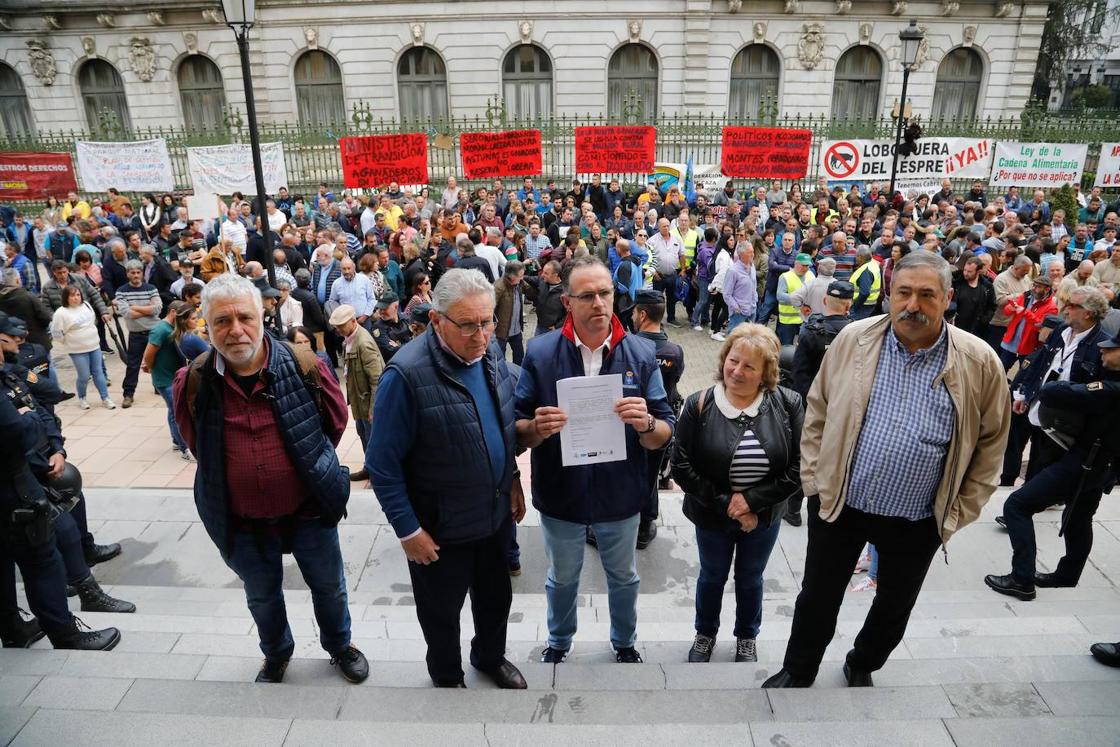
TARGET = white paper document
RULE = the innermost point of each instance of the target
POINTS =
(594, 433)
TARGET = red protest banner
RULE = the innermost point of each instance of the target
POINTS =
(491, 154)
(34, 176)
(376, 160)
(615, 149)
(765, 152)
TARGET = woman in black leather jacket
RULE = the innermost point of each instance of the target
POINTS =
(736, 455)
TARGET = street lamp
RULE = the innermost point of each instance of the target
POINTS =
(240, 16)
(911, 38)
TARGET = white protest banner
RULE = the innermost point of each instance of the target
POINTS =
(225, 169)
(936, 158)
(1108, 168)
(202, 206)
(1038, 164)
(141, 166)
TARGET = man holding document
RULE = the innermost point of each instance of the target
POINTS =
(591, 405)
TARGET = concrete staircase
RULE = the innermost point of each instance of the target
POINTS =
(974, 669)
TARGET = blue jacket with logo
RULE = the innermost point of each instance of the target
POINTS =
(591, 493)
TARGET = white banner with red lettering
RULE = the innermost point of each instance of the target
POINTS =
(935, 158)
(1108, 169)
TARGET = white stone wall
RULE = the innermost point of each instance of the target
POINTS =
(695, 42)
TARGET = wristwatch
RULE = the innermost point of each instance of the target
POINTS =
(650, 425)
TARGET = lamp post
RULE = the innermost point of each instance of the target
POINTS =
(911, 38)
(240, 16)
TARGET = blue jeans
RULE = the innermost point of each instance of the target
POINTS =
(668, 285)
(515, 343)
(768, 306)
(750, 550)
(700, 313)
(87, 365)
(176, 437)
(564, 543)
(257, 561)
(735, 320)
(787, 333)
(861, 312)
(364, 428)
(873, 571)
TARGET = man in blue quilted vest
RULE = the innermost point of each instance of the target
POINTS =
(442, 465)
(263, 419)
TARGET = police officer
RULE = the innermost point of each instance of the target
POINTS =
(418, 319)
(389, 331)
(817, 333)
(27, 537)
(649, 311)
(32, 356)
(1073, 460)
(270, 299)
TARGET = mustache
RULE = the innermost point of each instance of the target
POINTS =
(917, 316)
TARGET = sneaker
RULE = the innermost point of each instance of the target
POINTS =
(352, 664)
(83, 403)
(628, 655)
(109, 404)
(697, 328)
(675, 324)
(272, 671)
(552, 655)
(746, 649)
(718, 336)
(866, 584)
(701, 650)
(126, 402)
(864, 563)
(186, 456)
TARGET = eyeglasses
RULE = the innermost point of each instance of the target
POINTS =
(604, 295)
(643, 235)
(470, 329)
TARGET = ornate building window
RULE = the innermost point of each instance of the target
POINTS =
(754, 79)
(201, 93)
(15, 113)
(103, 90)
(422, 83)
(319, 98)
(958, 85)
(527, 82)
(859, 79)
(633, 68)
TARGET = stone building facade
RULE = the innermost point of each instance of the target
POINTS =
(175, 64)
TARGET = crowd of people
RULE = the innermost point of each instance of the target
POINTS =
(948, 334)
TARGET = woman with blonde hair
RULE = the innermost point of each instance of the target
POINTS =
(736, 454)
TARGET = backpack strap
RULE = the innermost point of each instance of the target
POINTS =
(194, 379)
(306, 360)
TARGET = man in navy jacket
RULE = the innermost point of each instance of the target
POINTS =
(608, 497)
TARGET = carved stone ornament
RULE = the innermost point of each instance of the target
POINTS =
(634, 29)
(898, 7)
(54, 23)
(793, 6)
(212, 15)
(417, 31)
(968, 36)
(525, 31)
(866, 29)
(89, 46)
(810, 47)
(734, 6)
(923, 48)
(759, 32)
(311, 36)
(155, 17)
(142, 57)
(106, 20)
(843, 6)
(949, 7)
(1003, 9)
(190, 40)
(42, 61)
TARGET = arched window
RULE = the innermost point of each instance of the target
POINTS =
(859, 77)
(754, 78)
(202, 94)
(319, 99)
(15, 114)
(632, 68)
(527, 82)
(422, 84)
(958, 85)
(102, 89)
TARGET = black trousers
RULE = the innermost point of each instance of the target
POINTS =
(137, 341)
(44, 582)
(480, 569)
(905, 551)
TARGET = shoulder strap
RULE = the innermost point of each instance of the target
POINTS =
(194, 379)
(308, 364)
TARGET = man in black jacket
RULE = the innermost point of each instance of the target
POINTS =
(975, 297)
(550, 308)
(313, 317)
(16, 301)
(158, 272)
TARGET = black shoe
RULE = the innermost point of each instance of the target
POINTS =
(1011, 587)
(1106, 653)
(1007, 482)
(746, 649)
(360, 476)
(647, 530)
(506, 676)
(552, 655)
(627, 655)
(352, 664)
(272, 671)
(856, 677)
(66, 396)
(81, 638)
(1052, 581)
(591, 539)
(96, 600)
(665, 483)
(95, 553)
(784, 679)
(515, 568)
(72, 591)
(458, 684)
(16, 632)
(793, 518)
(701, 650)
(1001, 521)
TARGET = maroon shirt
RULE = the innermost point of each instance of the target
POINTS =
(261, 479)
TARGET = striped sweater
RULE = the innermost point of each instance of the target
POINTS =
(144, 295)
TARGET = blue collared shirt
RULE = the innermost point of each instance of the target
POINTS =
(357, 292)
(900, 454)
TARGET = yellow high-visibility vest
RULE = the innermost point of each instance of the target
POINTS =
(788, 314)
(876, 282)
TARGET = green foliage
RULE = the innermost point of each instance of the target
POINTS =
(1092, 97)
(1065, 198)
(1072, 31)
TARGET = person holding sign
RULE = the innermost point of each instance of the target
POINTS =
(607, 496)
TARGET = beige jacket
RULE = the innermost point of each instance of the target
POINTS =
(977, 385)
(1007, 287)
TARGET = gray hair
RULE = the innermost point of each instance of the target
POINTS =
(864, 253)
(133, 264)
(512, 268)
(10, 277)
(227, 287)
(147, 249)
(116, 241)
(493, 231)
(283, 284)
(918, 260)
(1092, 300)
(826, 267)
(1021, 261)
(457, 284)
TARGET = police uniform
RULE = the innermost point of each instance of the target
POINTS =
(816, 335)
(389, 335)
